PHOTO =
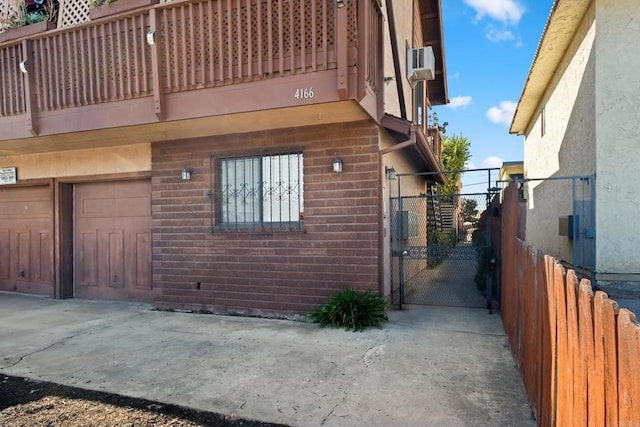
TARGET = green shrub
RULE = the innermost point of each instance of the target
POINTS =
(440, 244)
(355, 311)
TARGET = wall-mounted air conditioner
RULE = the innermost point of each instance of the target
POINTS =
(421, 64)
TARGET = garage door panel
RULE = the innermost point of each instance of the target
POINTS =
(26, 244)
(142, 277)
(125, 189)
(120, 215)
(115, 242)
(24, 255)
(21, 194)
(87, 258)
(133, 207)
(5, 260)
(42, 257)
(25, 209)
(97, 208)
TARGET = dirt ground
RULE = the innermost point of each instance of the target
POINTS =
(27, 403)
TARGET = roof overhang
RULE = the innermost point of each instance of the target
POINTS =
(563, 22)
(432, 35)
(410, 136)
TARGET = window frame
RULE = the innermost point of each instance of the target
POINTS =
(262, 222)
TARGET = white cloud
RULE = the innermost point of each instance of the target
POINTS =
(496, 36)
(469, 165)
(509, 12)
(454, 76)
(459, 101)
(492, 162)
(502, 114)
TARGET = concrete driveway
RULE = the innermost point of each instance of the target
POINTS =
(429, 366)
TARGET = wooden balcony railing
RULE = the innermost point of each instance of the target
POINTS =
(198, 44)
(11, 82)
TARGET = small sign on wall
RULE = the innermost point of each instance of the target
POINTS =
(8, 176)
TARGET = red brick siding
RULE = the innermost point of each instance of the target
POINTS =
(265, 273)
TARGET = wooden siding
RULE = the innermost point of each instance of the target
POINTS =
(198, 45)
(579, 354)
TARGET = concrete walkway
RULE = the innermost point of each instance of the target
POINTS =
(429, 366)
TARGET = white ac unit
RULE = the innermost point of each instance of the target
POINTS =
(421, 64)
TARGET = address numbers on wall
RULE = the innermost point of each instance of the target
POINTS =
(304, 93)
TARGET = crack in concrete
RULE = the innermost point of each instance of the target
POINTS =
(344, 397)
(60, 341)
(34, 352)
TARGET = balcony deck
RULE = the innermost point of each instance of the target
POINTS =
(212, 66)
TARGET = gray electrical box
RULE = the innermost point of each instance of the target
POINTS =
(409, 225)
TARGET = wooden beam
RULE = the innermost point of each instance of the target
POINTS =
(29, 87)
(396, 60)
(156, 67)
(342, 50)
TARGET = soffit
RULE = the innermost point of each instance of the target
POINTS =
(432, 35)
(562, 24)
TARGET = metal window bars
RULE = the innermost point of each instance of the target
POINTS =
(260, 193)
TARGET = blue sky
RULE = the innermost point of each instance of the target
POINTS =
(489, 47)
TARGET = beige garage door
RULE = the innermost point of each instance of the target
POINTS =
(112, 240)
(26, 218)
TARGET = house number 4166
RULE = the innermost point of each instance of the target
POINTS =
(304, 93)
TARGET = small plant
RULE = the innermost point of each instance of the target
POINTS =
(96, 3)
(15, 14)
(440, 244)
(34, 18)
(352, 310)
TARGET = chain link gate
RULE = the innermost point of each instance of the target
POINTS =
(441, 244)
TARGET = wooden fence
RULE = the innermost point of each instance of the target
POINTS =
(579, 354)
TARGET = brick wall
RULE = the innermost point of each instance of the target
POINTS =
(267, 273)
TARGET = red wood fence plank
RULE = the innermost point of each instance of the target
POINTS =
(564, 404)
(574, 378)
(635, 368)
(610, 314)
(596, 379)
(626, 375)
(551, 390)
(585, 331)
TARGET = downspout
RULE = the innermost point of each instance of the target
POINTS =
(396, 60)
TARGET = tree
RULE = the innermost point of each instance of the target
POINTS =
(455, 154)
(469, 210)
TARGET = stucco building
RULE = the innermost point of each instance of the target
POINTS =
(221, 155)
(579, 113)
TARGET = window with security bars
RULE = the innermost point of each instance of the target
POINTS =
(261, 191)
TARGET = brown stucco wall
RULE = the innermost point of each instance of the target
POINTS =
(89, 162)
(278, 272)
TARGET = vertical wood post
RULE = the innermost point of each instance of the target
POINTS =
(156, 68)
(365, 45)
(342, 50)
(379, 43)
(29, 87)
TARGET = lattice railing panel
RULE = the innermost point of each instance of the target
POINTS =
(218, 42)
(12, 101)
(203, 43)
(73, 12)
(352, 22)
(9, 14)
(374, 37)
(92, 65)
